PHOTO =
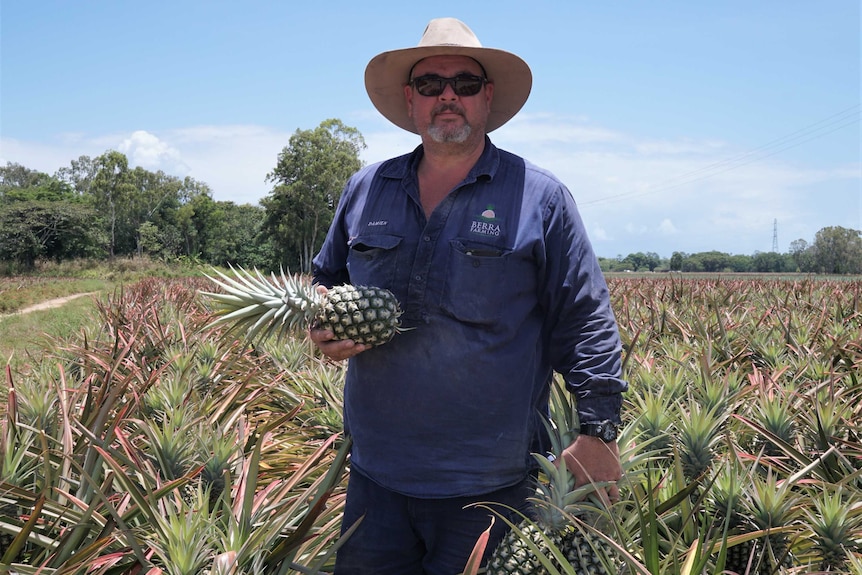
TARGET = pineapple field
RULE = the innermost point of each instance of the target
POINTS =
(158, 441)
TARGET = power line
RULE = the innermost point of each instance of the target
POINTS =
(801, 136)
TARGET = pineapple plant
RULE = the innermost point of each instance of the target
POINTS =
(764, 505)
(726, 498)
(699, 433)
(776, 417)
(550, 532)
(264, 306)
(771, 506)
(655, 420)
(836, 529)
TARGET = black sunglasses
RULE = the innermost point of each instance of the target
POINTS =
(462, 84)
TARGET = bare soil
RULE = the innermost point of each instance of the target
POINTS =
(51, 303)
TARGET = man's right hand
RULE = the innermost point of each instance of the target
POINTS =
(334, 349)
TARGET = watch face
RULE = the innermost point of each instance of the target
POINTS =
(606, 430)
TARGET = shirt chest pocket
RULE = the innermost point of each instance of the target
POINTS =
(475, 291)
(372, 260)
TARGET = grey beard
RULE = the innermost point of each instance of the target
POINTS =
(442, 135)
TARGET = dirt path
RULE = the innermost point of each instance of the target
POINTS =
(49, 304)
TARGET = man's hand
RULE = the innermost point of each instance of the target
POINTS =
(336, 350)
(591, 460)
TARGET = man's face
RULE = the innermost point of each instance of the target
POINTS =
(449, 117)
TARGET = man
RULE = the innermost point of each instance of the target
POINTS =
(500, 287)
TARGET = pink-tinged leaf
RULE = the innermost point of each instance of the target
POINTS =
(475, 558)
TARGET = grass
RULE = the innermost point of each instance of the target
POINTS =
(19, 292)
(25, 337)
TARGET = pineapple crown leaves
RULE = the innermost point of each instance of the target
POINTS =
(833, 521)
(770, 502)
(728, 491)
(246, 295)
(557, 498)
(562, 420)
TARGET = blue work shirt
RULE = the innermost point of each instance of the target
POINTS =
(500, 287)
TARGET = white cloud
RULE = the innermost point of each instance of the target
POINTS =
(666, 227)
(599, 233)
(148, 151)
(232, 160)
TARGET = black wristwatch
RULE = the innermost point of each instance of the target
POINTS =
(605, 430)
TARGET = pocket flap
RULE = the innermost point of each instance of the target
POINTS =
(374, 242)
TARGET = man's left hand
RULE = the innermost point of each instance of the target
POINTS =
(591, 460)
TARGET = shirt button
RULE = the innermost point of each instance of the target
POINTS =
(476, 263)
(427, 238)
(418, 278)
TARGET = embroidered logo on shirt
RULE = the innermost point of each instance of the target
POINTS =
(485, 224)
(378, 223)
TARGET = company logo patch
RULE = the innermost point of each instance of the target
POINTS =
(486, 223)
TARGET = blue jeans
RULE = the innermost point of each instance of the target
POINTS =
(401, 535)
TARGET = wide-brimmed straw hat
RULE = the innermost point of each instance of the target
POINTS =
(387, 73)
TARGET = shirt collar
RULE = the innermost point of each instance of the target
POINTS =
(484, 169)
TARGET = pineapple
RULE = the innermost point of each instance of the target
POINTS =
(367, 315)
(9, 512)
(552, 532)
(550, 527)
(771, 505)
(726, 497)
(218, 451)
(655, 420)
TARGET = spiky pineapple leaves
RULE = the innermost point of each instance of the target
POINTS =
(279, 306)
(254, 304)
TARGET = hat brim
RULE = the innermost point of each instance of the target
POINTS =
(386, 76)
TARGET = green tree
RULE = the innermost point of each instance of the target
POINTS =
(740, 263)
(708, 262)
(838, 250)
(769, 262)
(241, 240)
(18, 183)
(32, 230)
(111, 190)
(151, 192)
(197, 218)
(803, 255)
(308, 179)
(642, 261)
(79, 175)
(676, 261)
(17, 177)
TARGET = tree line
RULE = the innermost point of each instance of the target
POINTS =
(835, 250)
(102, 208)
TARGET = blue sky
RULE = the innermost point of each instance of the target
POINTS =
(677, 125)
